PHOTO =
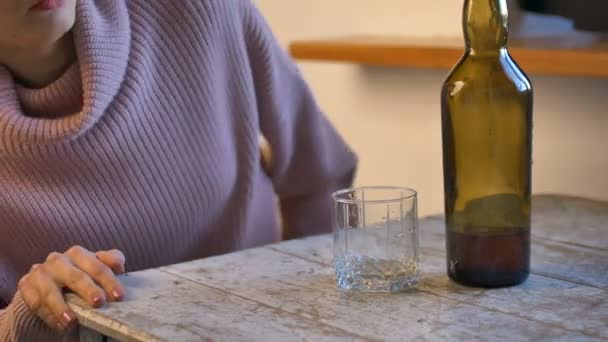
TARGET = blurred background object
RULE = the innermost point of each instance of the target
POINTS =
(587, 15)
(391, 115)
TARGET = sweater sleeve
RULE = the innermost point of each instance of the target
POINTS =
(310, 159)
(18, 324)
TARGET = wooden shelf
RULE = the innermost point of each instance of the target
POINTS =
(568, 56)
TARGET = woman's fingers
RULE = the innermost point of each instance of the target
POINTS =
(114, 259)
(90, 275)
(67, 275)
(45, 299)
(98, 271)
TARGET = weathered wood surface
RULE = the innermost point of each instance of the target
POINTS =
(287, 292)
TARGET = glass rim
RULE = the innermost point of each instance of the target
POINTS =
(407, 193)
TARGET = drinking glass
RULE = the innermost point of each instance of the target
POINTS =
(376, 238)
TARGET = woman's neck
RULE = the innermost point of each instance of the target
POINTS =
(38, 68)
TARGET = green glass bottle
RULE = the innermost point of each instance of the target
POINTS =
(487, 150)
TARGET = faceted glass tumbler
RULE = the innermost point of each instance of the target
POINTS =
(376, 238)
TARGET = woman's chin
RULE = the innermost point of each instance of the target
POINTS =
(50, 26)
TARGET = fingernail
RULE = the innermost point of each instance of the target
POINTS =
(117, 294)
(65, 320)
(97, 301)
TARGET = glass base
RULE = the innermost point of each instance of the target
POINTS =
(362, 274)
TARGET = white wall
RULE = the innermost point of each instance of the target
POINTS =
(392, 116)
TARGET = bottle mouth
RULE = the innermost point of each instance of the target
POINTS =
(485, 24)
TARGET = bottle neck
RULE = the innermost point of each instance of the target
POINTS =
(485, 26)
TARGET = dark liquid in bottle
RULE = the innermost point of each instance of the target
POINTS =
(489, 260)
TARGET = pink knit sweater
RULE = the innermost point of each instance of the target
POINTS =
(150, 145)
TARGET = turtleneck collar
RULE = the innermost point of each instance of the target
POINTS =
(61, 98)
(102, 38)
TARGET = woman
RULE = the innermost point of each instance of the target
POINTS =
(129, 139)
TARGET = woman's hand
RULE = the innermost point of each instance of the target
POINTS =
(90, 275)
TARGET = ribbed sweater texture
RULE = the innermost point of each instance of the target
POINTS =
(150, 144)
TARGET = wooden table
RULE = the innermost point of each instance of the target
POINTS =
(287, 292)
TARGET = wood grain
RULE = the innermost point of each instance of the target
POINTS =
(287, 292)
(163, 307)
(535, 55)
(571, 220)
(437, 309)
(541, 299)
